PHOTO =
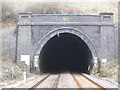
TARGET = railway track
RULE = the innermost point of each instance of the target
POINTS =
(85, 82)
(98, 85)
(81, 81)
(39, 82)
(55, 85)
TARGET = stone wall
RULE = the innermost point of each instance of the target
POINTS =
(32, 28)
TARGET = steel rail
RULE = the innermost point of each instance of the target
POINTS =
(38, 83)
(55, 85)
(96, 84)
(77, 82)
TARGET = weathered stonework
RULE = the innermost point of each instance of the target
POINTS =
(97, 31)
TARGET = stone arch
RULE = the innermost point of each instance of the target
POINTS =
(73, 31)
(66, 30)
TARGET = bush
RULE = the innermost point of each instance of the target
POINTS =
(8, 14)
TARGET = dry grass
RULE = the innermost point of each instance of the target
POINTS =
(61, 8)
(7, 65)
(109, 70)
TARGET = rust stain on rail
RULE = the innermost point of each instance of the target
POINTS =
(38, 83)
(98, 85)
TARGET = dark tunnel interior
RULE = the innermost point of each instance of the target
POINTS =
(65, 53)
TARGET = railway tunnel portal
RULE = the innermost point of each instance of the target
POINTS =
(66, 50)
(63, 42)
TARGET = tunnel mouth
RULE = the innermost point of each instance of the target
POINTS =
(65, 52)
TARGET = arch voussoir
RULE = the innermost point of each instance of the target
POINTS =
(66, 30)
